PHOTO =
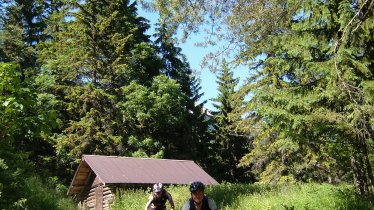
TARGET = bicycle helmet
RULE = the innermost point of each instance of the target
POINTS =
(158, 187)
(197, 185)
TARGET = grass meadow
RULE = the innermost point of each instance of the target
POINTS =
(257, 196)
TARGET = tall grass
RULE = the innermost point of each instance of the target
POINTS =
(39, 195)
(257, 196)
(297, 196)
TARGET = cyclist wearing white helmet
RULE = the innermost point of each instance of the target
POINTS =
(157, 201)
(198, 200)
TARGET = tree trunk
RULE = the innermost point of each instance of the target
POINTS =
(358, 174)
(367, 159)
(362, 170)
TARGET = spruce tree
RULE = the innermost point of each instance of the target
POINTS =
(22, 29)
(311, 104)
(309, 93)
(232, 144)
(107, 75)
(174, 65)
(98, 48)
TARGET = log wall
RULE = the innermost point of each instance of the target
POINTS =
(98, 198)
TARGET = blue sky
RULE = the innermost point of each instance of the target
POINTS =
(194, 56)
(208, 79)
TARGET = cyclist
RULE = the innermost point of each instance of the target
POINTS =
(157, 201)
(198, 200)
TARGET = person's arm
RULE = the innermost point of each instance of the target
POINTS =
(170, 198)
(212, 204)
(148, 203)
(186, 205)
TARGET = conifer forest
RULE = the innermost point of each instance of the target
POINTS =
(87, 77)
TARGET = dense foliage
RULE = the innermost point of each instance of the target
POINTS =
(84, 77)
(310, 107)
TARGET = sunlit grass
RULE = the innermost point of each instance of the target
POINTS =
(40, 195)
(256, 196)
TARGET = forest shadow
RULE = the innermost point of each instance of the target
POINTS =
(352, 201)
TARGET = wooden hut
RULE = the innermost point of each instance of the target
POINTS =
(97, 177)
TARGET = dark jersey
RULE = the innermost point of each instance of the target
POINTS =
(159, 203)
(205, 205)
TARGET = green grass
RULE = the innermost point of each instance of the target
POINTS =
(36, 194)
(258, 196)
(40, 195)
(304, 196)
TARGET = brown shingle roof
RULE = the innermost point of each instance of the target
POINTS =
(129, 170)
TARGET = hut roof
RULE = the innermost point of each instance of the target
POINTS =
(143, 171)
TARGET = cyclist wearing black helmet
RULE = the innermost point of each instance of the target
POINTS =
(157, 201)
(198, 200)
